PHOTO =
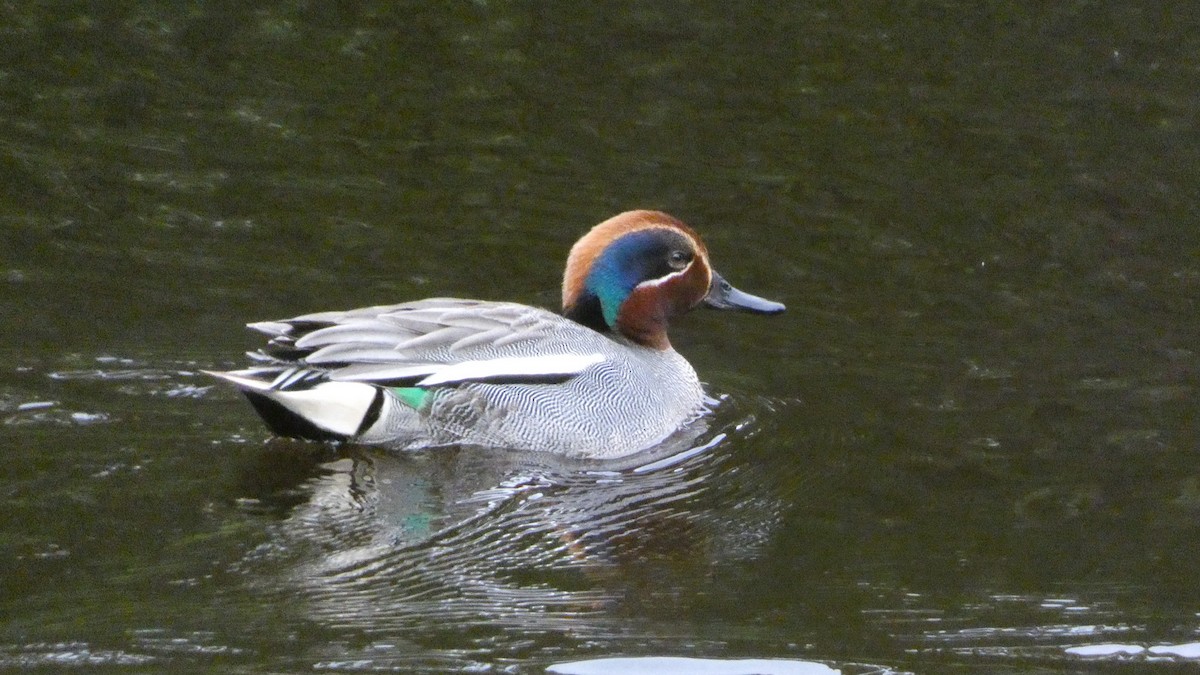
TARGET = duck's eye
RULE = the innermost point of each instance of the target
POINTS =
(679, 259)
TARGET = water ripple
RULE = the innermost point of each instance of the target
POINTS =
(1030, 628)
(489, 541)
(67, 654)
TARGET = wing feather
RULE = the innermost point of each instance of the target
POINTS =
(376, 334)
(354, 352)
(436, 342)
(491, 337)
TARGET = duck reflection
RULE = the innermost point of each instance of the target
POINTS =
(509, 539)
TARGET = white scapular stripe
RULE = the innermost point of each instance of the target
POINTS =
(516, 366)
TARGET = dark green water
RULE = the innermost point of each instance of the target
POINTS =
(969, 446)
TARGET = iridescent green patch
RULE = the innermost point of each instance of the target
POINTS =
(413, 397)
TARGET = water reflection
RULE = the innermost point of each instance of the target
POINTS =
(386, 542)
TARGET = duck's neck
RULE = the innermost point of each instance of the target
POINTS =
(588, 312)
(642, 325)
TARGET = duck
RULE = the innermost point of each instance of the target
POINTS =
(598, 380)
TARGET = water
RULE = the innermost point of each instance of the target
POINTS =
(968, 446)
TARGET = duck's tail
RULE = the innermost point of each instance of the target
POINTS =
(301, 404)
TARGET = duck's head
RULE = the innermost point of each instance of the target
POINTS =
(636, 271)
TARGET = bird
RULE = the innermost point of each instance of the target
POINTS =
(600, 380)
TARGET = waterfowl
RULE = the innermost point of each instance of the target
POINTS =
(599, 380)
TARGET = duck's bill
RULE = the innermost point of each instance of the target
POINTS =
(722, 295)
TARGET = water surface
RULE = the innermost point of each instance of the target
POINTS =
(969, 446)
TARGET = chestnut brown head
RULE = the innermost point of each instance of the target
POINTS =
(636, 271)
